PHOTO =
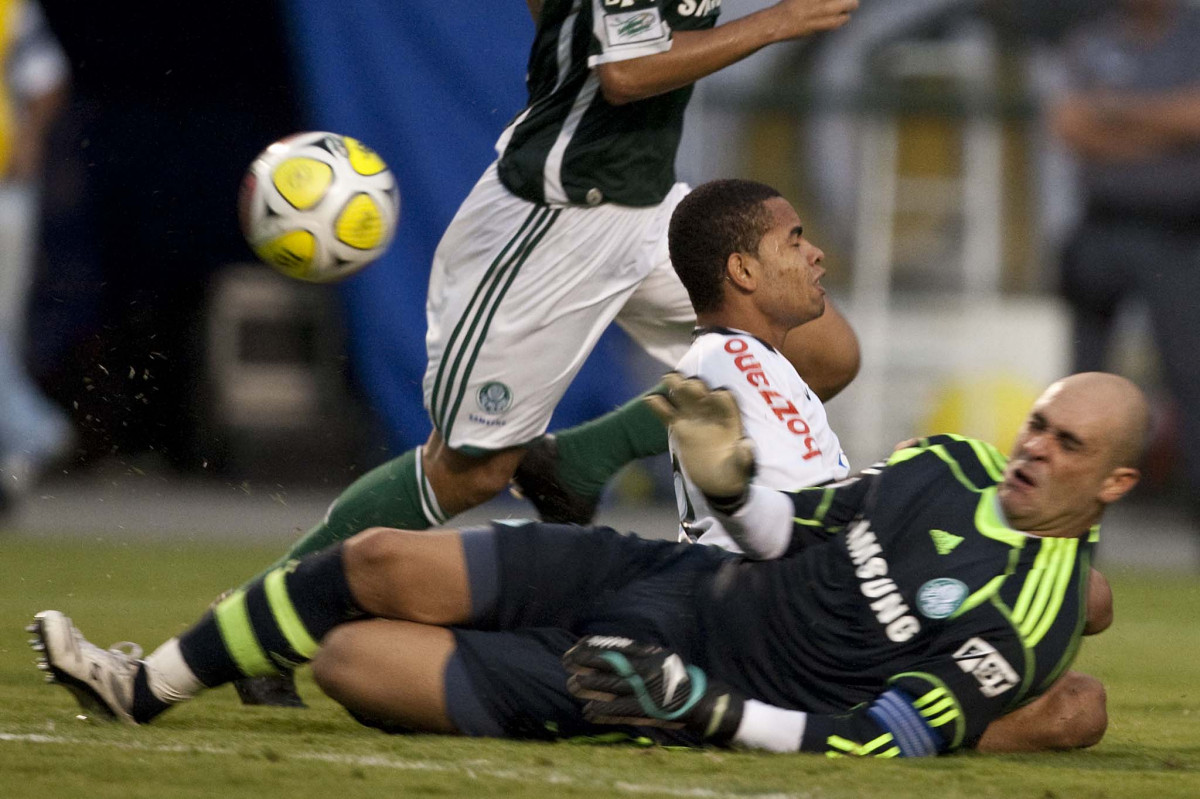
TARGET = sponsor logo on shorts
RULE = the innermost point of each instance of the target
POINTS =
(940, 597)
(981, 660)
(494, 397)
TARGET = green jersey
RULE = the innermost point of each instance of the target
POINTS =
(570, 146)
(907, 614)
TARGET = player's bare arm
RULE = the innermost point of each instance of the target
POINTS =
(1099, 604)
(695, 54)
(535, 9)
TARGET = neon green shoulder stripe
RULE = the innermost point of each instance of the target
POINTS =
(1062, 581)
(988, 522)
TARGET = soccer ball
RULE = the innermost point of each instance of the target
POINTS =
(318, 206)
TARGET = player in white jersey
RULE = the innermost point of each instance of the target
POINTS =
(794, 445)
(740, 251)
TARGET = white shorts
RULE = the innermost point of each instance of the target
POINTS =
(520, 293)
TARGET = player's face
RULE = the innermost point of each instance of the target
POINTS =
(1060, 464)
(790, 292)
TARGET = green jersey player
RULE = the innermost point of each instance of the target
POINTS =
(563, 234)
(905, 610)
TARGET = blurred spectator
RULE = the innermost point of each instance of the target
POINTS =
(1132, 119)
(33, 431)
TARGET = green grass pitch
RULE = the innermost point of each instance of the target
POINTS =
(1149, 660)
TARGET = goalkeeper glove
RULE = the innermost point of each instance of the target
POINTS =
(624, 682)
(708, 438)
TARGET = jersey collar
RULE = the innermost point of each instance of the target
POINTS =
(702, 330)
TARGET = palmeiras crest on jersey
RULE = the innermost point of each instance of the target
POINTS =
(940, 597)
(494, 397)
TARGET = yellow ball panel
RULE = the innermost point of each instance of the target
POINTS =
(363, 159)
(302, 181)
(291, 253)
(360, 224)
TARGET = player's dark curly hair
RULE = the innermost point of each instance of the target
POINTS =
(716, 220)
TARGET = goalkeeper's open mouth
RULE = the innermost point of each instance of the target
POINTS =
(1018, 478)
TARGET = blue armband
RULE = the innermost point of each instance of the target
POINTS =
(895, 713)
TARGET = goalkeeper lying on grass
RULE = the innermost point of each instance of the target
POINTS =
(911, 605)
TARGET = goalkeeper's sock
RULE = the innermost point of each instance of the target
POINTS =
(274, 623)
(591, 453)
(395, 494)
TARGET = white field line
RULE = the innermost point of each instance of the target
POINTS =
(475, 769)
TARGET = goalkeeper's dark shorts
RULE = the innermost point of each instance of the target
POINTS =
(537, 588)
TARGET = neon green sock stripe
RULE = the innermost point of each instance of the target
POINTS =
(289, 622)
(238, 636)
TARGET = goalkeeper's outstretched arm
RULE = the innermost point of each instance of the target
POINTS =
(624, 682)
(708, 438)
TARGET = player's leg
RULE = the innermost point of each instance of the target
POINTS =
(395, 494)
(388, 673)
(564, 475)
(403, 677)
(825, 352)
(531, 588)
(277, 622)
(1070, 715)
(480, 249)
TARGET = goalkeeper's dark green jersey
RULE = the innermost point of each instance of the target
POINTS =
(907, 614)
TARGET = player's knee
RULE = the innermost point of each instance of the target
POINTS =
(374, 561)
(373, 549)
(484, 483)
(332, 667)
(1082, 711)
(462, 481)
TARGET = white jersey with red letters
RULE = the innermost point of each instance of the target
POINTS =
(793, 443)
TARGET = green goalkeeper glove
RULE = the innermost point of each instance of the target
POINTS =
(624, 682)
(709, 439)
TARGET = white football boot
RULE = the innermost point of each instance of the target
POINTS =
(100, 679)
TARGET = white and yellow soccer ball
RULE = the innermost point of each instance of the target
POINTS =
(318, 206)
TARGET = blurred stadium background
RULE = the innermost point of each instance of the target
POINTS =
(211, 396)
